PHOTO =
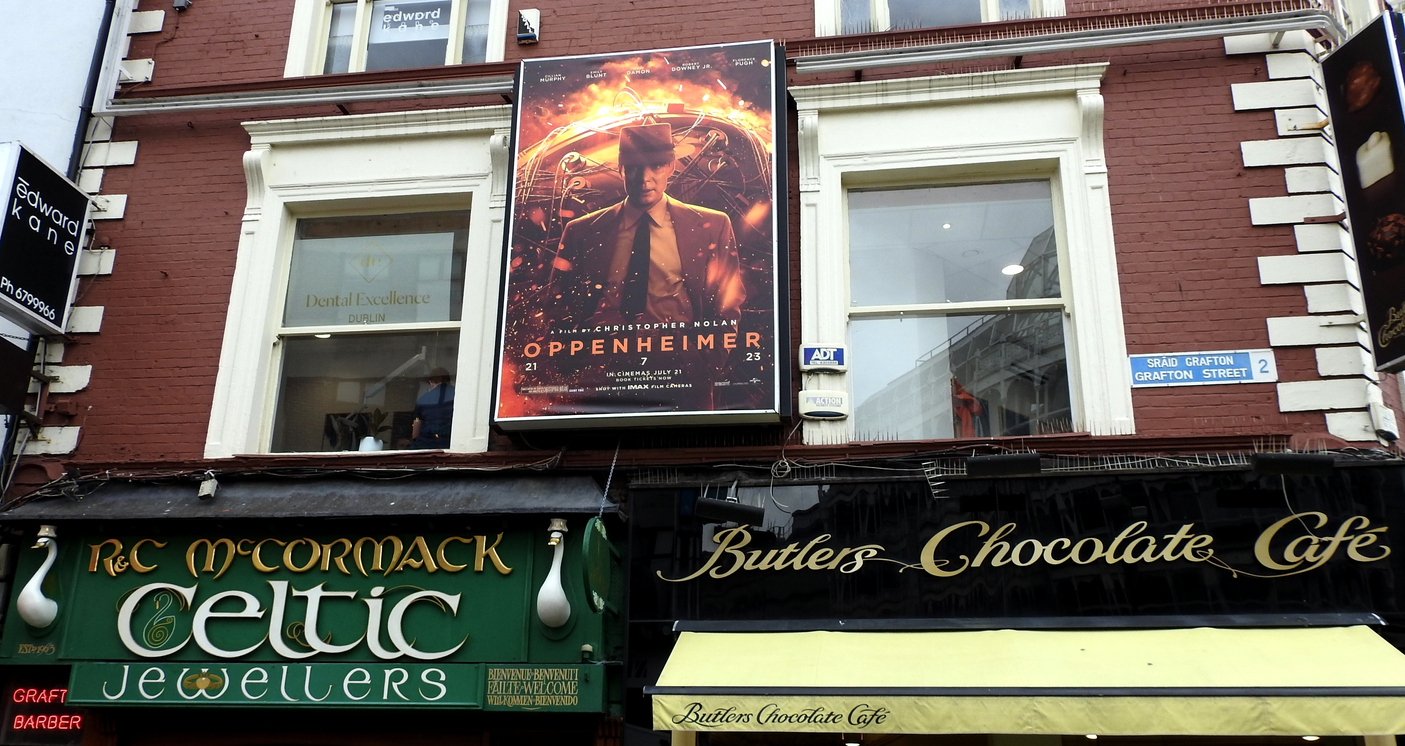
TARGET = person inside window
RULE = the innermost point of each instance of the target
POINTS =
(434, 412)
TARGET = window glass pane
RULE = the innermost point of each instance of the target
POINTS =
(335, 392)
(408, 34)
(1013, 9)
(908, 14)
(387, 269)
(919, 378)
(475, 31)
(952, 244)
(339, 38)
(855, 17)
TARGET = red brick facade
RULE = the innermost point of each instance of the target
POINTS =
(1186, 249)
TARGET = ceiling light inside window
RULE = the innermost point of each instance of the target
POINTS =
(1012, 269)
(1311, 738)
(946, 225)
(322, 336)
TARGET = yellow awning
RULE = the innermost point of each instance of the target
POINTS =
(1243, 682)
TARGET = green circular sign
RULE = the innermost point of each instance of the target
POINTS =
(596, 553)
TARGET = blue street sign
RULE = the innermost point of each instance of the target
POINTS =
(1203, 368)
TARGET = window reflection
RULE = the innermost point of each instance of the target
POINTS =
(919, 378)
(920, 373)
(952, 244)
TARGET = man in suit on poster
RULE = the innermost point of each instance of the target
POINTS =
(650, 258)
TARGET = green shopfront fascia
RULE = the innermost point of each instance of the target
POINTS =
(390, 619)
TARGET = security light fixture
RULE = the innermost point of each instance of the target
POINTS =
(180, 5)
(1003, 465)
(208, 486)
(1298, 464)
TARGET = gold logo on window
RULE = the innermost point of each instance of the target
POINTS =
(371, 264)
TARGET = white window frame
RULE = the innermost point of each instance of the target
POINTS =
(312, 21)
(1013, 171)
(982, 127)
(404, 162)
(827, 13)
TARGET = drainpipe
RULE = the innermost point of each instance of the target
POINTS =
(85, 115)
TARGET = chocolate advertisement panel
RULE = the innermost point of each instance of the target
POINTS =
(1363, 87)
(641, 278)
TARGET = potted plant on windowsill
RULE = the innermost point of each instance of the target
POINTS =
(375, 425)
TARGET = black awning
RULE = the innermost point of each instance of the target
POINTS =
(324, 498)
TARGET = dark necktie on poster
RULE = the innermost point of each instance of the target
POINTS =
(636, 278)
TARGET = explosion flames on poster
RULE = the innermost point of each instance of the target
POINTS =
(641, 277)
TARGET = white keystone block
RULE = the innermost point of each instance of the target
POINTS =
(136, 71)
(1304, 179)
(96, 262)
(109, 206)
(1308, 120)
(110, 154)
(1345, 361)
(1292, 65)
(53, 440)
(1335, 298)
(85, 319)
(147, 21)
(1354, 426)
(53, 353)
(1264, 43)
(1293, 209)
(100, 129)
(90, 180)
(1276, 94)
(1322, 237)
(1316, 331)
(1317, 396)
(71, 379)
(1296, 151)
(1300, 269)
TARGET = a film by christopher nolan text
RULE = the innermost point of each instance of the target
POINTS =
(642, 275)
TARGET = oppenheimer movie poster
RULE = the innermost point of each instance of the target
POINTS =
(641, 277)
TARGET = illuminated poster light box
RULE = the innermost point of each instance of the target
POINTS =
(643, 285)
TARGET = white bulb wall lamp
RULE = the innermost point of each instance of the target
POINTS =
(36, 609)
(552, 606)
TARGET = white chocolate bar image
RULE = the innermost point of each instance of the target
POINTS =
(1373, 159)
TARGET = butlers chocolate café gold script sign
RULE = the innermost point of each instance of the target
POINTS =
(1299, 552)
(404, 620)
(1090, 545)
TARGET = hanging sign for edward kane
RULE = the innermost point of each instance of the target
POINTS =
(40, 240)
(1363, 86)
(642, 272)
